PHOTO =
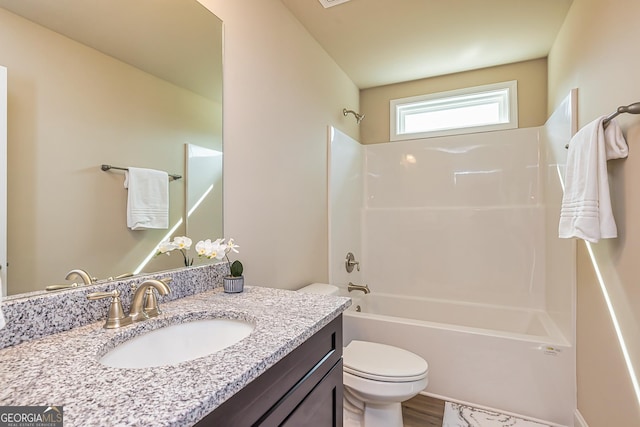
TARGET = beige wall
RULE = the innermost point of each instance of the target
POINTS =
(70, 109)
(596, 52)
(532, 99)
(281, 91)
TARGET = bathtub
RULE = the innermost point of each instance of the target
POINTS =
(514, 360)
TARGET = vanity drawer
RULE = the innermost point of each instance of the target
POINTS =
(269, 399)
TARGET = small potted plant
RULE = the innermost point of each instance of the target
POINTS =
(234, 282)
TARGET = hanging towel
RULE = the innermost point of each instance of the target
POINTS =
(586, 205)
(148, 200)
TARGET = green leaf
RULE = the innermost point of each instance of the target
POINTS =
(236, 269)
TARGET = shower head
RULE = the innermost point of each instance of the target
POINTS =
(358, 117)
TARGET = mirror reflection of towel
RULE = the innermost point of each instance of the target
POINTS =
(148, 199)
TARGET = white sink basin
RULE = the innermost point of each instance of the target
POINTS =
(177, 343)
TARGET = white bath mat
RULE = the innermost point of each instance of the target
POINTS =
(456, 415)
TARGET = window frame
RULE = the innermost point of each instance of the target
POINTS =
(453, 99)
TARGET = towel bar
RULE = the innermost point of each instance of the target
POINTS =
(172, 177)
(631, 109)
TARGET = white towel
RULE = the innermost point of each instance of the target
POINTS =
(148, 200)
(586, 205)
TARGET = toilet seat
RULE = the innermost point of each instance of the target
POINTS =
(380, 362)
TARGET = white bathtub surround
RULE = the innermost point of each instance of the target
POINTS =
(345, 201)
(456, 415)
(472, 221)
(524, 367)
(483, 319)
(464, 214)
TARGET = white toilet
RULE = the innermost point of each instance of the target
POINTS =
(377, 378)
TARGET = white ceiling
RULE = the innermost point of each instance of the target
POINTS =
(379, 42)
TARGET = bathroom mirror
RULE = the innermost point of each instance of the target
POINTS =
(204, 190)
(92, 82)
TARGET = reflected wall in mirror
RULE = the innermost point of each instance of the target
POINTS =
(126, 83)
(204, 192)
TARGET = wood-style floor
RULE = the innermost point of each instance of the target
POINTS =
(423, 411)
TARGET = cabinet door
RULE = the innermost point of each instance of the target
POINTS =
(323, 406)
(268, 400)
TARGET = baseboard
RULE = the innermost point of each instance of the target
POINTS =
(578, 421)
(524, 417)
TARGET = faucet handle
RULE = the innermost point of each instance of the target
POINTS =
(350, 262)
(115, 315)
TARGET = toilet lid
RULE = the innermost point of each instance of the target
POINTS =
(383, 362)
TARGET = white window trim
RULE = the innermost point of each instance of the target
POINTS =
(511, 123)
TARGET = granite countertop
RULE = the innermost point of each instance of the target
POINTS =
(63, 369)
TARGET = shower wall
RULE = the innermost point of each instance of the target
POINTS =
(469, 218)
(560, 253)
(345, 184)
(456, 217)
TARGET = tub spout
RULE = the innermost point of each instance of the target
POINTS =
(363, 288)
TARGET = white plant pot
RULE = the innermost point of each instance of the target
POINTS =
(233, 285)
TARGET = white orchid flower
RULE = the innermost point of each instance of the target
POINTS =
(218, 249)
(182, 242)
(166, 247)
(202, 247)
(231, 246)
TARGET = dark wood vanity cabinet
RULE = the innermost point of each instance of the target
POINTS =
(302, 389)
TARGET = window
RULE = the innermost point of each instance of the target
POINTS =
(474, 109)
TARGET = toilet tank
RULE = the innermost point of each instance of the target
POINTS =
(320, 288)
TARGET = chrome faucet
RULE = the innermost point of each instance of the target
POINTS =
(363, 288)
(144, 304)
(86, 278)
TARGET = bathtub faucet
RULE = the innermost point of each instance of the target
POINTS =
(363, 288)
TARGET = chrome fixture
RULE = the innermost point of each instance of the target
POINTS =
(61, 286)
(86, 278)
(631, 109)
(358, 116)
(350, 262)
(172, 177)
(81, 274)
(144, 304)
(363, 288)
(120, 276)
